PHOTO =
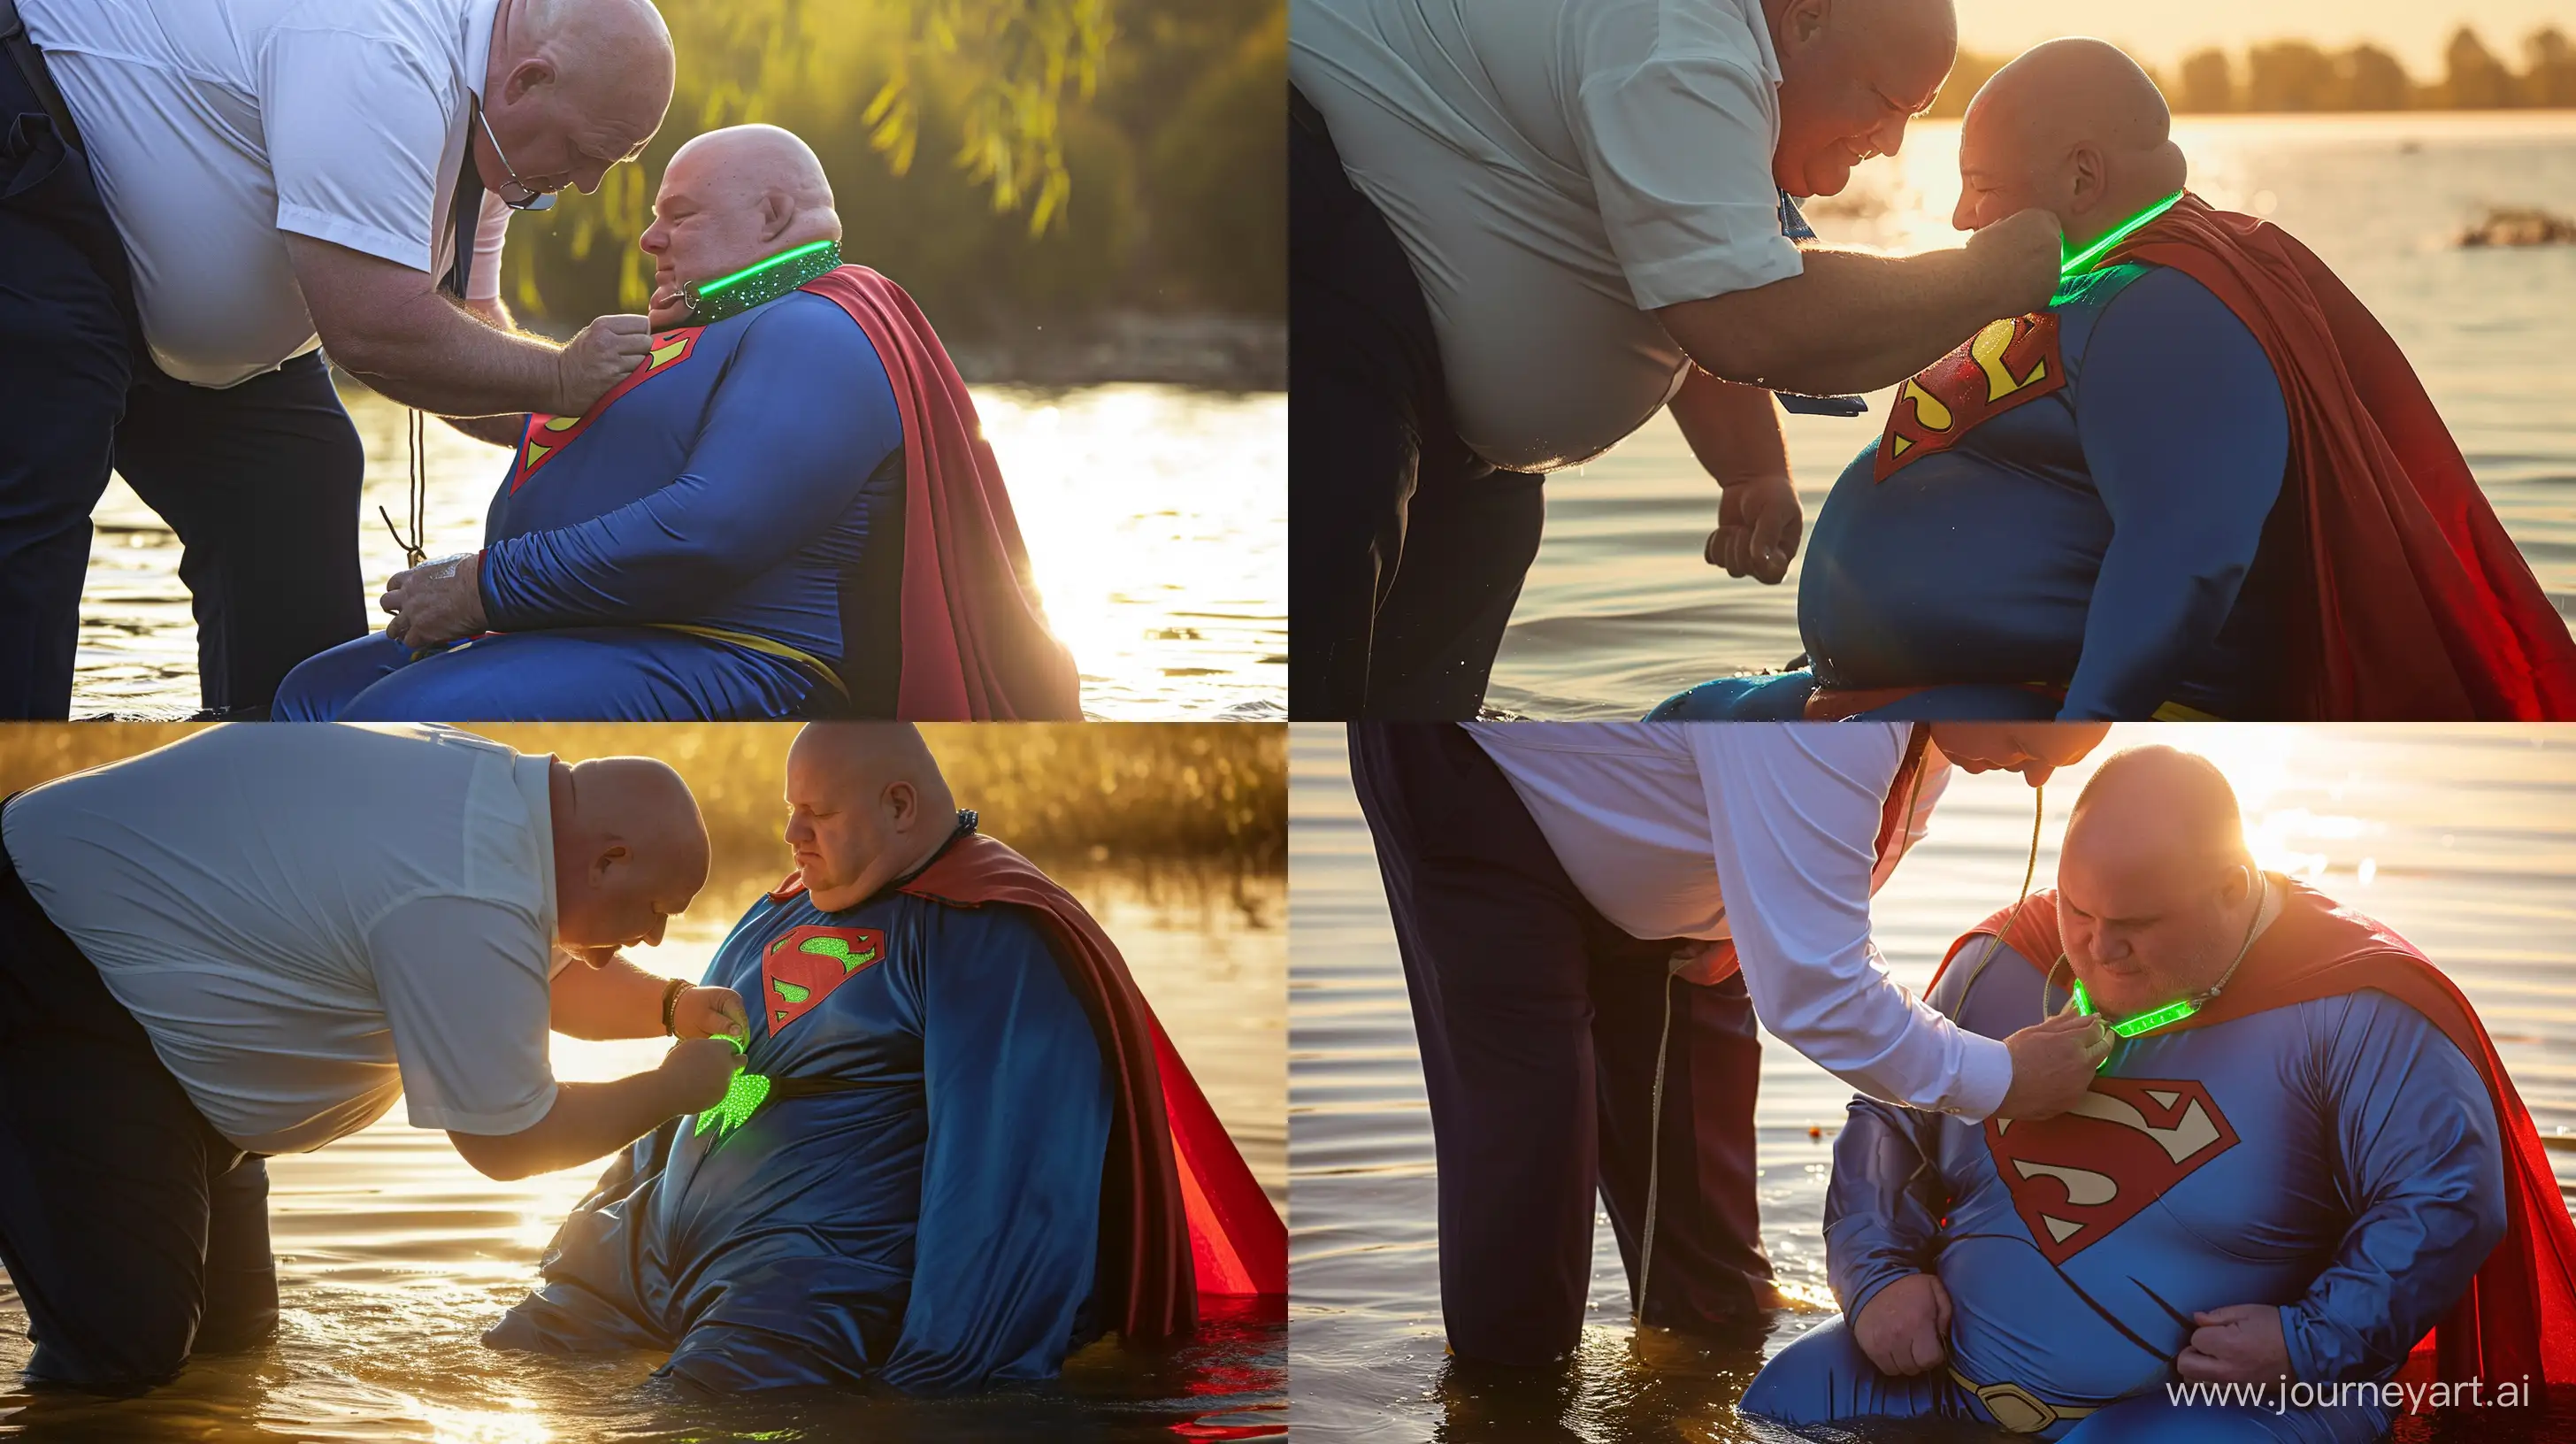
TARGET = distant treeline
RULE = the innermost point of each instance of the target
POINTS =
(1073, 794)
(1011, 164)
(2295, 75)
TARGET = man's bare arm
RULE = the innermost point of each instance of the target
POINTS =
(508, 428)
(1854, 322)
(591, 1119)
(613, 1000)
(389, 326)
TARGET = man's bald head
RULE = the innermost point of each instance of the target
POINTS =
(2155, 884)
(630, 850)
(1852, 73)
(732, 198)
(2073, 126)
(866, 804)
(572, 87)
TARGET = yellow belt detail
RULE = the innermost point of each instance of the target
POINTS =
(766, 646)
(2015, 1408)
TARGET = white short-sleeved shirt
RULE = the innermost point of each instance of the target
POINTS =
(311, 919)
(1556, 171)
(213, 128)
(1662, 825)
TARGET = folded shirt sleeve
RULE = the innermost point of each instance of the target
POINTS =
(465, 988)
(1678, 150)
(356, 130)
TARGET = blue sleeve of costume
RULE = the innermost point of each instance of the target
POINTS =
(2423, 1167)
(1882, 1208)
(1010, 1190)
(804, 415)
(2186, 436)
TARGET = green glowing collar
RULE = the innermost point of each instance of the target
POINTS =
(2081, 261)
(2148, 1022)
(753, 285)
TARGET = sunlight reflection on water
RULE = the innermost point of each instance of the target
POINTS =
(1156, 518)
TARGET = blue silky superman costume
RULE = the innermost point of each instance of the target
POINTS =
(2203, 482)
(978, 1152)
(788, 512)
(2334, 1135)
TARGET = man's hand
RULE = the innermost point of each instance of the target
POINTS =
(1757, 529)
(699, 1070)
(606, 352)
(710, 1012)
(1904, 1325)
(2019, 257)
(2239, 1344)
(436, 602)
(2052, 1065)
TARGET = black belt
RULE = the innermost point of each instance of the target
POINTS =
(31, 64)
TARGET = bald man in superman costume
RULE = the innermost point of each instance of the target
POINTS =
(2322, 1173)
(2203, 482)
(788, 511)
(977, 1151)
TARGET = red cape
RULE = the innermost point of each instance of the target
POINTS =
(975, 640)
(2417, 604)
(1180, 1214)
(2518, 1317)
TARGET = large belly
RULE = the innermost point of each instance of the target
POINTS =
(1957, 568)
(1548, 360)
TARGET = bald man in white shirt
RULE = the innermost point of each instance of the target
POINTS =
(1584, 908)
(251, 942)
(199, 196)
(1519, 232)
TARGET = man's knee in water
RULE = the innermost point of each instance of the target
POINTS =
(1807, 1382)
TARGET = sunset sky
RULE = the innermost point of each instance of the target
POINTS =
(2162, 31)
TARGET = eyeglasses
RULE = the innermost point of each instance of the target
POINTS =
(535, 199)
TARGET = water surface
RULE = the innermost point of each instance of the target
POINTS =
(1620, 612)
(1156, 519)
(2464, 839)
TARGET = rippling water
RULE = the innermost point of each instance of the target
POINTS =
(1620, 612)
(1156, 518)
(394, 1256)
(2464, 839)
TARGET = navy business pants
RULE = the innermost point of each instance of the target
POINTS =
(259, 480)
(1406, 552)
(134, 1232)
(1537, 1022)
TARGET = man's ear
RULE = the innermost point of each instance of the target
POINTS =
(777, 213)
(2088, 178)
(609, 857)
(526, 76)
(1801, 22)
(902, 805)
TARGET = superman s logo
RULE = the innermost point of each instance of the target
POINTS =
(2008, 363)
(798, 970)
(548, 435)
(2076, 1178)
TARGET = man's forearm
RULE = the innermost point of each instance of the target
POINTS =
(1733, 429)
(587, 1121)
(614, 1000)
(1850, 322)
(434, 356)
(507, 430)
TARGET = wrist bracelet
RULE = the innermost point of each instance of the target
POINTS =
(671, 992)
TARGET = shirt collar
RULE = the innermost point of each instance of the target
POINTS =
(1760, 24)
(476, 56)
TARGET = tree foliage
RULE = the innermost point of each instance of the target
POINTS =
(1010, 162)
